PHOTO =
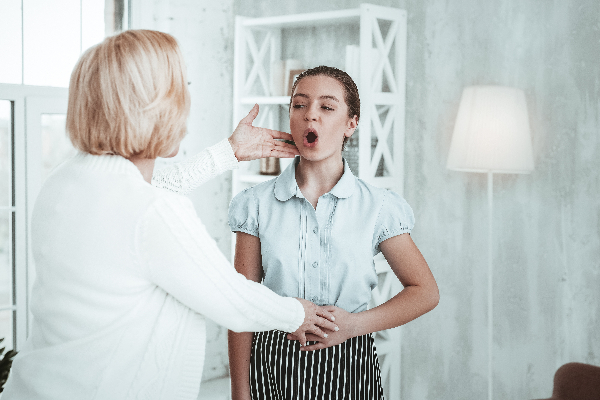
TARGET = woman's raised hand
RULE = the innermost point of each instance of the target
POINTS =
(251, 142)
(315, 318)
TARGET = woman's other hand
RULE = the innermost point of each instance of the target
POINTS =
(347, 326)
(317, 321)
(251, 142)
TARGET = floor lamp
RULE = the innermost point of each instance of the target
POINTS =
(491, 135)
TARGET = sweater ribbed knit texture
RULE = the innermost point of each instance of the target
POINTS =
(125, 275)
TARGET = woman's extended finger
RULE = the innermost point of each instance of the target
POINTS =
(309, 337)
(277, 134)
(282, 154)
(327, 324)
(302, 338)
(314, 346)
(317, 331)
(248, 119)
(325, 313)
(286, 147)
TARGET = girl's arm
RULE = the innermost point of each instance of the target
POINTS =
(419, 296)
(248, 262)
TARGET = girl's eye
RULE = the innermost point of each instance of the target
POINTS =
(327, 108)
(298, 105)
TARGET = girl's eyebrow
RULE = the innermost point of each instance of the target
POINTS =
(327, 96)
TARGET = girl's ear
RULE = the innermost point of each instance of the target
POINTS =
(351, 126)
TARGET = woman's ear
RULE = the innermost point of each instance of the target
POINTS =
(351, 126)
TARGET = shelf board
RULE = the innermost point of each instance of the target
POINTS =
(284, 100)
(308, 19)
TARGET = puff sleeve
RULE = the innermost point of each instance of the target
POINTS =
(243, 213)
(395, 218)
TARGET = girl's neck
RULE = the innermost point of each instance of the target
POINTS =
(146, 167)
(315, 178)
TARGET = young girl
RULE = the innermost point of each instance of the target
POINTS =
(312, 233)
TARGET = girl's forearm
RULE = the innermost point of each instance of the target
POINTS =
(409, 304)
(240, 346)
(420, 293)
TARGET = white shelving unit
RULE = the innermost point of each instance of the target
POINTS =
(380, 73)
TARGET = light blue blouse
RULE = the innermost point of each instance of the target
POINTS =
(323, 255)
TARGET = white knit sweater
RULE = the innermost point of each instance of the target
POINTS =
(126, 273)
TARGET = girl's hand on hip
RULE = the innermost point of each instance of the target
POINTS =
(317, 320)
(347, 329)
(251, 142)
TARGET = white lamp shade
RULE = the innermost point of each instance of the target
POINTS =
(492, 132)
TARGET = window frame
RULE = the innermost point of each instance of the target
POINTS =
(22, 145)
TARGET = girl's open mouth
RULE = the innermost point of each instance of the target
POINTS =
(311, 137)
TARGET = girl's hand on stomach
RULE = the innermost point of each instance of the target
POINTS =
(317, 322)
(347, 328)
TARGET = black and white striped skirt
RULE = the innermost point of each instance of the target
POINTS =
(280, 371)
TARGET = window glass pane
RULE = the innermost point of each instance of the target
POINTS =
(92, 23)
(5, 149)
(6, 330)
(51, 41)
(5, 259)
(10, 42)
(56, 146)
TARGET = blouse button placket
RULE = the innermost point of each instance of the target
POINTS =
(312, 281)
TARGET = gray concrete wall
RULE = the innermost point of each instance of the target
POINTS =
(546, 225)
(546, 248)
(204, 30)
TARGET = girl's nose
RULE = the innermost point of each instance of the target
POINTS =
(311, 114)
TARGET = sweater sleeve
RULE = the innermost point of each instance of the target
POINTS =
(180, 257)
(186, 176)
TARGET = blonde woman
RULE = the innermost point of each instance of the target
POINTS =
(126, 272)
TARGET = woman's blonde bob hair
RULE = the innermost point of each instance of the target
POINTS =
(128, 96)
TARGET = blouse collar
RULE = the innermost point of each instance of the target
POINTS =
(286, 185)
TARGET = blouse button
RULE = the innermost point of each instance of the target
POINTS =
(315, 264)
(315, 230)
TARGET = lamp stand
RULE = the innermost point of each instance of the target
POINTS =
(491, 133)
(490, 297)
